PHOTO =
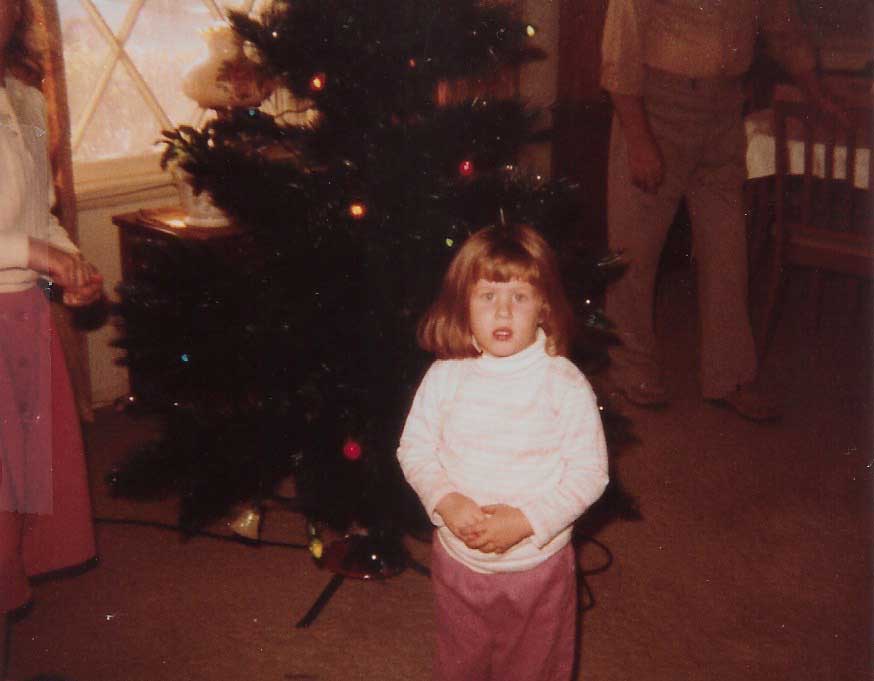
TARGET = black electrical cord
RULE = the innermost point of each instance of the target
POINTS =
(586, 596)
(199, 533)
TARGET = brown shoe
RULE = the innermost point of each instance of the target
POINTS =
(749, 401)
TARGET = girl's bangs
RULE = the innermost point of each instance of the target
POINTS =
(503, 269)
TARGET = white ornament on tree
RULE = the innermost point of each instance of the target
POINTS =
(225, 80)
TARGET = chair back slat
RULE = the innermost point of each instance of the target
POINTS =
(806, 138)
(866, 141)
(824, 217)
(781, 163)
(851, 157)
(826, 190)
(831, 189)
(848, 206)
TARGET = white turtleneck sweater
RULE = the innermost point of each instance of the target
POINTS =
(523, 430)
(25, 184)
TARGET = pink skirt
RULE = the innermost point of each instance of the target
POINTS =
(45, 507)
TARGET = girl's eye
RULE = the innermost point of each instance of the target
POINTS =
(521, 297)
(488, 295)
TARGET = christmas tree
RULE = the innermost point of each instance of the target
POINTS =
(293, 352)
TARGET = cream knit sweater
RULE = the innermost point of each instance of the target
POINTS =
(25, 185)
(523, 430)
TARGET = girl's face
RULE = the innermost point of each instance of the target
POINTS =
(504, 316)
(10, 12)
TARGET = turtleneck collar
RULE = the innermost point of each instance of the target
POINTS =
(522, 360)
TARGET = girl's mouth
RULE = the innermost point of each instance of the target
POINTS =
(502, 334)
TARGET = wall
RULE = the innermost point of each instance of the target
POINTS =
(539, 80)
(583, 114)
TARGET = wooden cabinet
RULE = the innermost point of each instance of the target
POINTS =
(144, 232)
(142, 229)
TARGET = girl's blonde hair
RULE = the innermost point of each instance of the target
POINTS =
(497, 254)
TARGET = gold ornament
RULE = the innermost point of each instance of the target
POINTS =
(248, 523)
(317, 82)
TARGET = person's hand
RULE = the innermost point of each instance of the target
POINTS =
(81, 281)
(645, 163)
(502, 528)
(460, 513)
(87, 294)
(69, 270)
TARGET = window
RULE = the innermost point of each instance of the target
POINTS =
(125, 61)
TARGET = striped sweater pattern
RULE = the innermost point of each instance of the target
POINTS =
(523, 430)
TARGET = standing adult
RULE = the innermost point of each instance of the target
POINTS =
(45, 510)
(674, 69)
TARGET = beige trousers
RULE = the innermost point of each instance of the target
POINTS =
(699, 128)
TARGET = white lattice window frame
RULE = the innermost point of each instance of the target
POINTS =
(128, 178)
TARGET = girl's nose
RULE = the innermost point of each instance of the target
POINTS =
(503, 308)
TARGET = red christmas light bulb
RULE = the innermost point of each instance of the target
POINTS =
(352, 450)
(466, 168)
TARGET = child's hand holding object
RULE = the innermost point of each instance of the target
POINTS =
(502, 528)
(460, 513)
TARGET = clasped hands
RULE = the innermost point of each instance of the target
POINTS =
(490, 529)
(81, 281)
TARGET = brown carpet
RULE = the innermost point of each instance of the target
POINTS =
(753, 560)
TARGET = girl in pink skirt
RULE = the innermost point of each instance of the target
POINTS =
(45, 510)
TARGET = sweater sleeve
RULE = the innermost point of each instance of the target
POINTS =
(36, 221)
(57, 235)
(584, 458)
(15, 246)
(14, 250)
(420, 441)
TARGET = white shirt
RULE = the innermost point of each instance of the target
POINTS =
(697, 39)
(26, 188)
(523, 430)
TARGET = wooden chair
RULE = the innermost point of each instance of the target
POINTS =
(823, 218)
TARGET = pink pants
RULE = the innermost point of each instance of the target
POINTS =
(45, 508)
(511, 626)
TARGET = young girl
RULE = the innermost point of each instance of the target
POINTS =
(45, 512)
(504, 446)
